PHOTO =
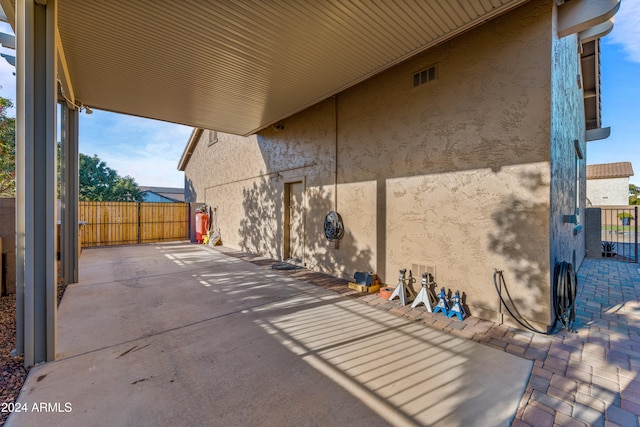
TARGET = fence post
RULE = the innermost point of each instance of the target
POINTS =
(139, 222)
(189, 212)
(593, 232)
(635, 235)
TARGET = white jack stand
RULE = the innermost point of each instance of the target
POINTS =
(425, 296)
(403, 291)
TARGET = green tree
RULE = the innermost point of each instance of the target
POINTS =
(634, 192)
(7, 150)
(98, 183)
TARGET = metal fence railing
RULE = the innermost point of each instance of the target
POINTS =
(619, 233)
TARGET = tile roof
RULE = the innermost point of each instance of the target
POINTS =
(609, 170)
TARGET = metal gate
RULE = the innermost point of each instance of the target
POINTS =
(619, 233)
(125, 223)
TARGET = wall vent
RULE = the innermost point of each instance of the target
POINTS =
(419, 269)
(425, 76)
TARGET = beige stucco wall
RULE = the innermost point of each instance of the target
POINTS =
(454, 174)
(243, 179)
(609, 191)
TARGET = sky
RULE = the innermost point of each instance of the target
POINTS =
(146, 150)
(149, 150)
(620, 88)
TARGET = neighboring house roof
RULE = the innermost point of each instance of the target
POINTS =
(188, 150)
(173, 193)
(610, 170)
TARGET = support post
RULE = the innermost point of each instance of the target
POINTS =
(138, 209)
(635, 233)
(63, 243)
(69, 170)
(36, 99)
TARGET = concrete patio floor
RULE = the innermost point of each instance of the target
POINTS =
(177, 334)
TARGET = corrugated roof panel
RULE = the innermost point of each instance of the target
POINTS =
(238, 66)
(456, 13)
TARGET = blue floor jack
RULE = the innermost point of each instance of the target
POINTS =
(442, 303)
(425, 296)
(457, 309)
(403, 291)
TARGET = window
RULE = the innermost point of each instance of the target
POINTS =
(577, 185)
(574, 217)
(579, 156)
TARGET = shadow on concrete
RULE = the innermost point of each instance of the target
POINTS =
(199, 337)
(261, 230)
(406, 373)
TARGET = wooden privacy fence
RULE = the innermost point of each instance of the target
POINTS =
(126, 223)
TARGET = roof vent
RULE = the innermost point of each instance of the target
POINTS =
(424, 76)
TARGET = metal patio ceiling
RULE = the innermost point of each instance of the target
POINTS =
(238, 66)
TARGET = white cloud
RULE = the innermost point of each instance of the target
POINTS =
(625, 29)
(147, 150)
(147, 170)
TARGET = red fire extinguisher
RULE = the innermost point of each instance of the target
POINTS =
(202, 225)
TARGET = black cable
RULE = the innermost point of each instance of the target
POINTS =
(516, 318)
(564, 294)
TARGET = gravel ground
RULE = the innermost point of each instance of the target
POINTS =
(12, 371)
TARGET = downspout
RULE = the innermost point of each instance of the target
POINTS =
(335, 154)
(335, 162)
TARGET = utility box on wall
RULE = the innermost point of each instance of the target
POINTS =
(593, 233)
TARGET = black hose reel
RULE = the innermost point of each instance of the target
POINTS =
(565, 290)
(333, 226)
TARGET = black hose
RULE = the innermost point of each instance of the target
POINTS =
(564, 299)
(333, 226)
(564, 294)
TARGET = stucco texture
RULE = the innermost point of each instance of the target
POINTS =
(454, 174)
(608, 191)
(568, 173)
